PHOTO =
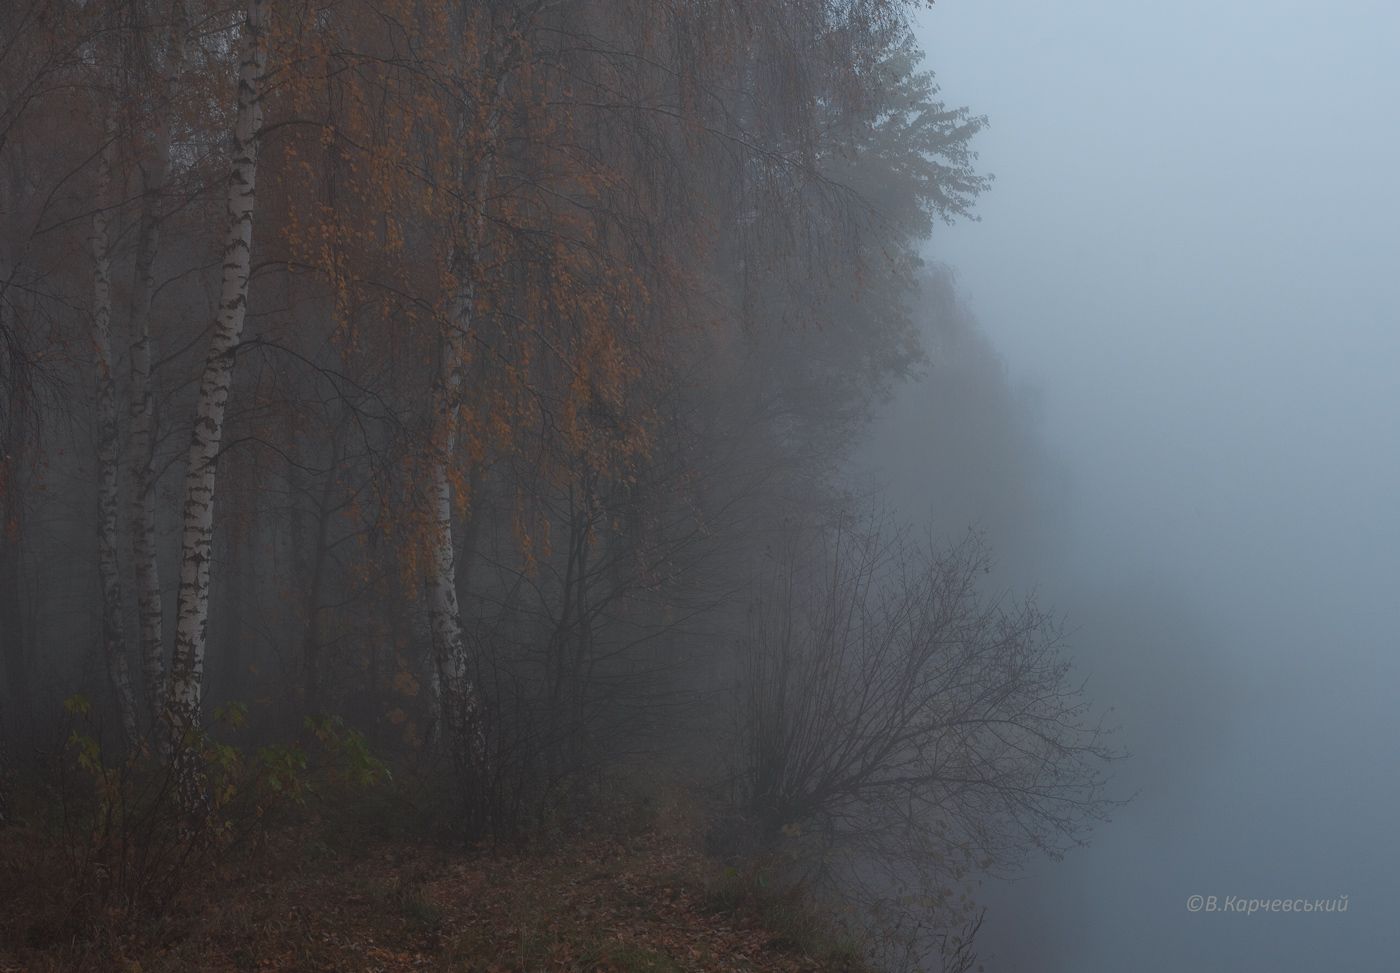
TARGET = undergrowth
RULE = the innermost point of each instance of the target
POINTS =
(322, 860)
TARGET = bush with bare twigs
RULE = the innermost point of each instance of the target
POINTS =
(905, 732)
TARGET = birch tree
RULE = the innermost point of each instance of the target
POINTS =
(192, 612)
(163, 74)
(108, 439)
(457, 693)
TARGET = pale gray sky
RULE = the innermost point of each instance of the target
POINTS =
(1190, 250)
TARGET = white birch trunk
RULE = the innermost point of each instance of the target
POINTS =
(192, 612)
(458, 697)
(108, 450)
(457, 692)
(141, 404)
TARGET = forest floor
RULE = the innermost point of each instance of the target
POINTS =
(638, 899)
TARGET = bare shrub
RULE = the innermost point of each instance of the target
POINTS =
(903, 731)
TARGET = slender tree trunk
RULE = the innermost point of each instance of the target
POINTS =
(108, 450)
(311, 595)
(14, 655)
(457, 691)
(192, 611)
(4, 781)
(14, 648)
(141, 407)
(14, 638)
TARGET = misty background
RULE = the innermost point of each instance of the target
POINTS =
(1185, 276)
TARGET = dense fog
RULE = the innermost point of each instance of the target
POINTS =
(1186, 266)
